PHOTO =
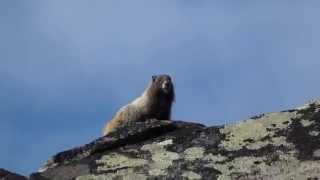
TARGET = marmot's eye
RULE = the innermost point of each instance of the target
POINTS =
(154, 78)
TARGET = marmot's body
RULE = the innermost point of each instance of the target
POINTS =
(154, 103)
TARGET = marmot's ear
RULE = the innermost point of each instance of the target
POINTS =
(154, 77)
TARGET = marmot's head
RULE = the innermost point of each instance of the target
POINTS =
(163, 82)
(163, 87)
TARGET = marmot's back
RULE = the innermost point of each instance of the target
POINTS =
(155, 103)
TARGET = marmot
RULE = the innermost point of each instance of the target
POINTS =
(154, 103)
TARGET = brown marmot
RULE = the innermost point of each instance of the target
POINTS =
(154, 103)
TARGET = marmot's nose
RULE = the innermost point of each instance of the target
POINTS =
(166, 84)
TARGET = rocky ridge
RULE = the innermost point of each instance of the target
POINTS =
(282, 145)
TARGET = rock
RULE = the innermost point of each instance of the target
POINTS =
(6, 175)
(283, 145)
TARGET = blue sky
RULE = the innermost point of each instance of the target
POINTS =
(67, 66)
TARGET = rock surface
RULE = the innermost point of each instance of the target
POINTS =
(283, 145)
(6, 175)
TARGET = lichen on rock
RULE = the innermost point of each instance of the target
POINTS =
(282, 145)
(161, 157)
(256, 133)
(114, 161)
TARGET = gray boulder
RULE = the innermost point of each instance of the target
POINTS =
(282, 145)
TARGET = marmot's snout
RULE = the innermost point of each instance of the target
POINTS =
(167, 85)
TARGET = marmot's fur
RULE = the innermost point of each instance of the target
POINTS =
(154, 103)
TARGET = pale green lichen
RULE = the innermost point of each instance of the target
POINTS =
(314, 133)
(157, 172)
(255, 130)
(193, 153)
(165, 143)
(164, 159)
(93, 177)
(114, 161)
(316, 153)
(161, 158)
(286, 166)
(110, 176)
(191, 175)
(243, 165)
(214, 158)
(275, 141)
(306, 123)
(255, 134)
